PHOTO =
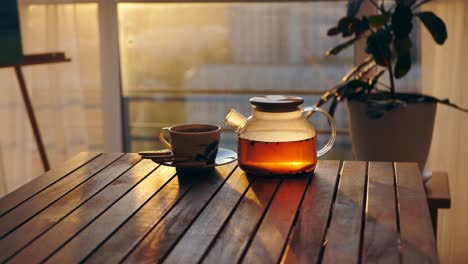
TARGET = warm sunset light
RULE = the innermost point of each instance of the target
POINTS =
(233, 131)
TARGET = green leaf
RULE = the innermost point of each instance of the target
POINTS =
(403, 65)
(333, 106)
(378, 44)
(402, 21)
(352, 88)
(354, 84)
(341, 47)
(376, 21)
(435, 25)
(403, 45)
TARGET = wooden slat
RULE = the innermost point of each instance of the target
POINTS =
(271, 237)
(438, 190)
(344, 233)
(117, 246)
(73, 223)
(166, 190)
(130, 234)
(232, 240)
(31, 207)
(381, 233)
(201, 233)
(307, 238)
(60, 208)
(151, 213)
(135, 229)
(154, 247)
(32, 188)
(97, 216)
(417, 238)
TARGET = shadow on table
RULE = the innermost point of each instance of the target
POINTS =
(201, 175)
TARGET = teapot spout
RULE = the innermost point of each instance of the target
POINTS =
(235, 120)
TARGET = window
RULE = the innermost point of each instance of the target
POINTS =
(191, 62)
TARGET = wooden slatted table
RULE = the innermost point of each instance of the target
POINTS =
(106, 208)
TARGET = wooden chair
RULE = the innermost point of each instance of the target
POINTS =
(27, 60)
(438, 195)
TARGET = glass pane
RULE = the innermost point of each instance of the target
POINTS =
(192, 62)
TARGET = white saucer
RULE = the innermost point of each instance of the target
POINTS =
(223, 157)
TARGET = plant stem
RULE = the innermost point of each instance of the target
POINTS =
(392, 81)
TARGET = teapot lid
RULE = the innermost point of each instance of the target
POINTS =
(276, 103)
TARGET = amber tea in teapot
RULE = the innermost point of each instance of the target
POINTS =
(278, 157)
(278, 138)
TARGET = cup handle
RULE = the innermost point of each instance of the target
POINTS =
(308, 110)
(163, 140)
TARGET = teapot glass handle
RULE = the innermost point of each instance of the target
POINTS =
(308, 110)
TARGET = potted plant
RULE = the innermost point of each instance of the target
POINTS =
(386, 125)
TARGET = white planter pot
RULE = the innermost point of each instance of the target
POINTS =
(402, 134)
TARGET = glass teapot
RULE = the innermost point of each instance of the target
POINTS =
(278, 138)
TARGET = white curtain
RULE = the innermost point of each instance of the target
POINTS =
(445, 75)
(65, 96)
